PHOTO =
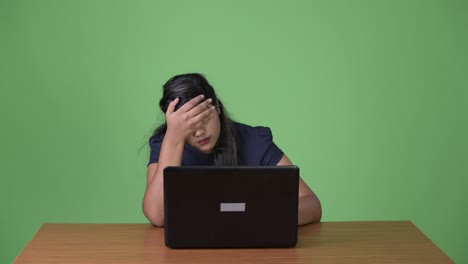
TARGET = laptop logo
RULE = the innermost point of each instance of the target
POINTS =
(232, 207)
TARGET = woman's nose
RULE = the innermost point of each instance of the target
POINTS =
(199, 132)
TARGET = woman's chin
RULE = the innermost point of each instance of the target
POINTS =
(207, 149)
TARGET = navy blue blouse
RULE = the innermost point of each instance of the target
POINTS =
(255, 148)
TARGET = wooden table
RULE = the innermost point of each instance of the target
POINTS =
(330, 242)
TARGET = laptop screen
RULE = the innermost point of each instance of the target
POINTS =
(222, 206)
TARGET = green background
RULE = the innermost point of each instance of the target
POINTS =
(369, 98)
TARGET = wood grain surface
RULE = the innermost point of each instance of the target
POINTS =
(329, 242)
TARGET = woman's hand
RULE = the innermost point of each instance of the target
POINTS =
(189, 117)
(180, 124)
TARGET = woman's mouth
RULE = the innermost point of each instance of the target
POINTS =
(204, 141)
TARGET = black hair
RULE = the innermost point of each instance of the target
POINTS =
(187, 86)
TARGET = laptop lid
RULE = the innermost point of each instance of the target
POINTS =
(222, 206)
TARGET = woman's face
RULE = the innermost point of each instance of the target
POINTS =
(206, 137)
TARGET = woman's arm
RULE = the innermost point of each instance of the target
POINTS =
(153, 200)
(180, 124)
(310, 209)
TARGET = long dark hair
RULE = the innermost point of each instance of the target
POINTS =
(188, 86)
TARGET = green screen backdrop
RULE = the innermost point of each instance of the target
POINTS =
(369, 98)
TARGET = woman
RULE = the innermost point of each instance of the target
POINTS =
(198, 131)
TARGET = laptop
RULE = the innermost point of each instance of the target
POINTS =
(231, 207)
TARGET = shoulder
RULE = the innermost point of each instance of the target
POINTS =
(156, 140)
(250, 132)
(256, 146)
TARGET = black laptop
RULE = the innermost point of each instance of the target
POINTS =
(231, 207)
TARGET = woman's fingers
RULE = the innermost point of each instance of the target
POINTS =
(191, 115)
(205, 115)
(200, 108)
(191, 104)
(195, 106)
(171, 106)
